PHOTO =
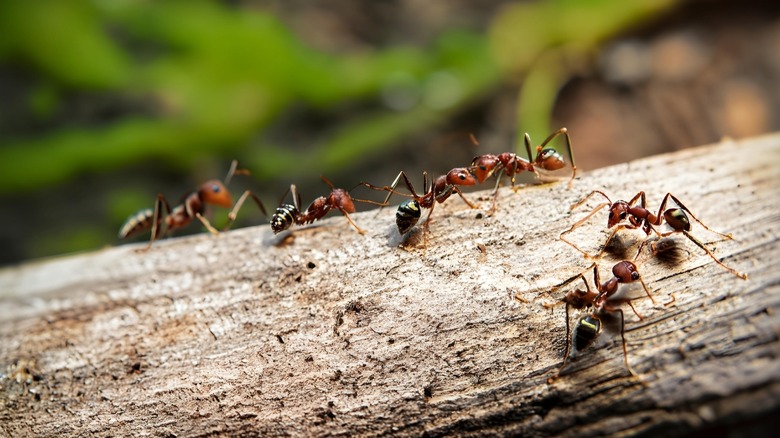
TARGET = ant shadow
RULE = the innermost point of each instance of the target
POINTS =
(669, 251)
(620, 248)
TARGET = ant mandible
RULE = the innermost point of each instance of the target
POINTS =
(589, 327)
(288, 214)
(638, 216)
(212, 192)
(409, 211)
(484, 166)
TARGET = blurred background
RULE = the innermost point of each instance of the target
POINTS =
(104, 104)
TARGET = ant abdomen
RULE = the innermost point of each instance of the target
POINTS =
(588, 329)
(407, 215)
(677, 219)
(283, 217)
(137, 223)
(550, 159)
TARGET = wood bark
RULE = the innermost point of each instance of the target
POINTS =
(327, 332)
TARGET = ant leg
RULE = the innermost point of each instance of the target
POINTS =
(647, 291)
(527, 141)
(677, 201)
(207, 224)
(327, 181)
(565, 133)
(296, 197)
(578, 224)
(643, 201)
(409, 184)
(613, 303)
(596, 278)
(741, 275)
(234, 170)
(642, 245)
(469, 203)
(391, 188)
(430, 212)
(239, 204)
(568, 281)
(368, 201)
(512, 173)
(231, 172)
(495, 195)
(346, 215)
(157, 218)
(582, 201)
(623, 337)
(425, 226)
(557, 374)
(633, 309)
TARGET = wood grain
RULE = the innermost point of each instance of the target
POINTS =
(329, 333)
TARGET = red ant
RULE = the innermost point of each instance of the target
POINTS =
(639, 216)
(340, 199)
(440, 190)
(589, 327)
(213, 192)
(512, 164)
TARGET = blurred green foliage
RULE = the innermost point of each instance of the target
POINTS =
(205, 78)
(215, 77)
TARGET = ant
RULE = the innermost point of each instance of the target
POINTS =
(213, 192)
(638, 216)
(440, 189)
(288, 214)
(512, 164)
(589, 327)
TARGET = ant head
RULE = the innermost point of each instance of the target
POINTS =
(617, 213)
(483, 166)
(625, 272)
(588, 329)
(215, 193)
(550, 159)
(677, 219)
(460, 176)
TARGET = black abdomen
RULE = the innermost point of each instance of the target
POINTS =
(283, 217)
(407, 215)
(588, 330)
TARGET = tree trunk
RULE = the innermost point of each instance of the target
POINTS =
(328, 332)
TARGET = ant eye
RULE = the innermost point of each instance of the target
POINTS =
(623, 215)
(482, 167)
(215, 188)
(462, 177)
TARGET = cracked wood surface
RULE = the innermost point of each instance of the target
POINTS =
(333, 333)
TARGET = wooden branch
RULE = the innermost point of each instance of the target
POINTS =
(334, 333)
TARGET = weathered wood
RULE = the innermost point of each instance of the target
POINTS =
(341, 334)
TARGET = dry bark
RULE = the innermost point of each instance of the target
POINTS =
(333, 333)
